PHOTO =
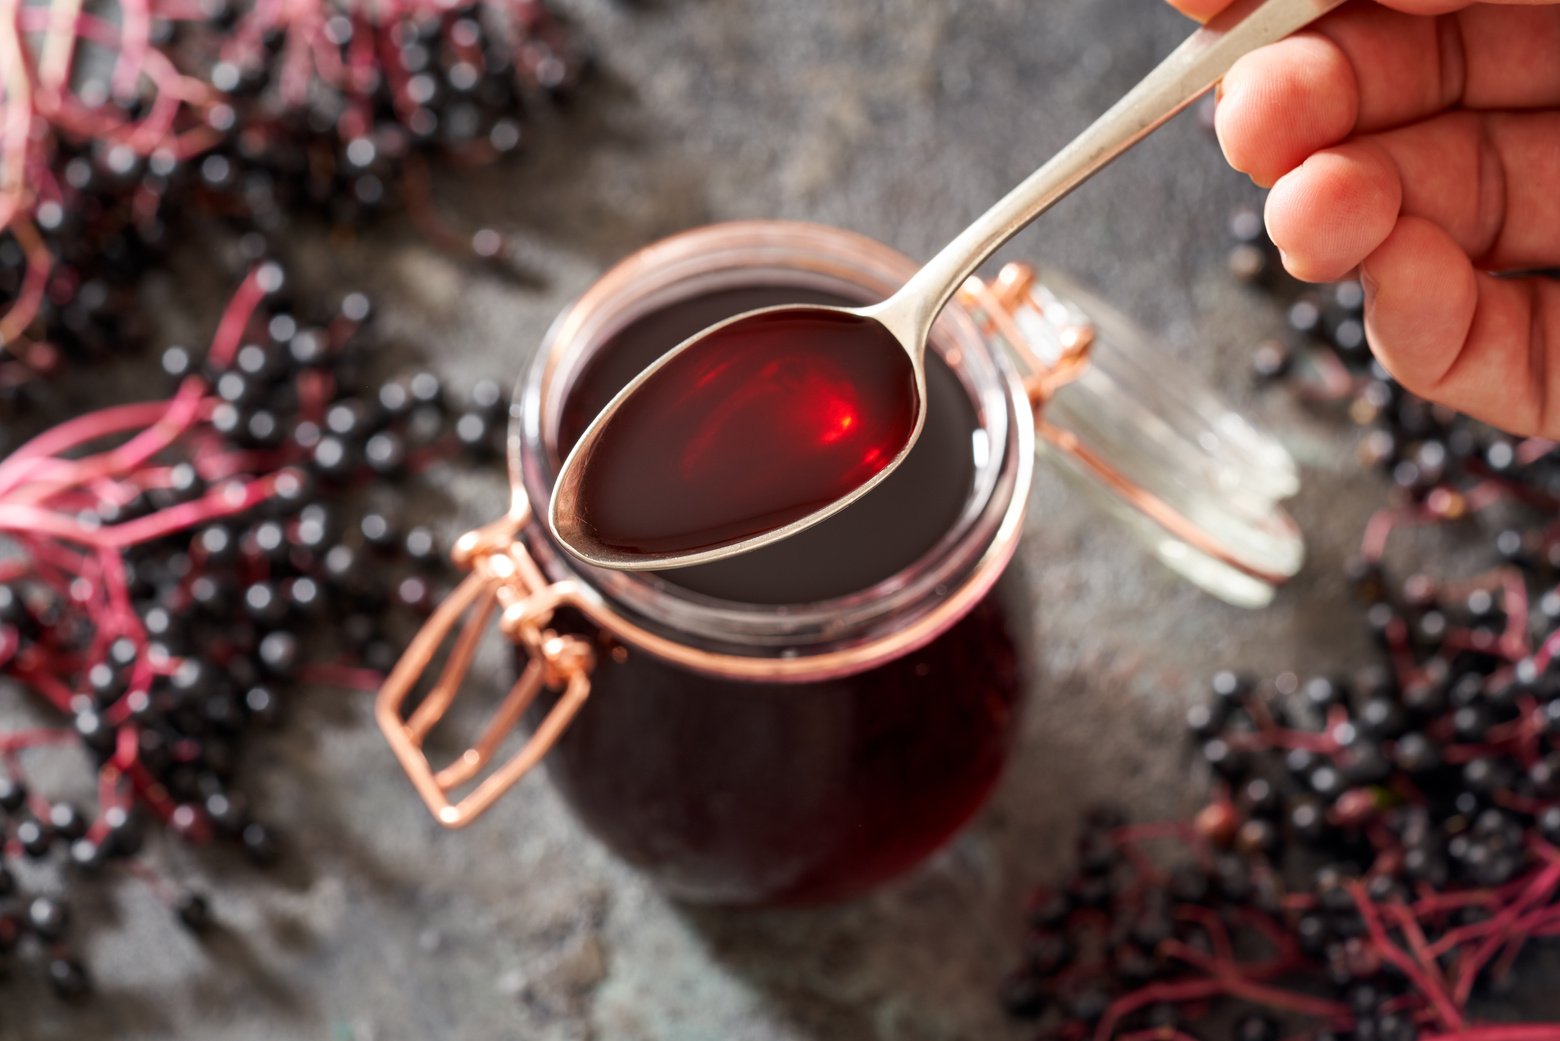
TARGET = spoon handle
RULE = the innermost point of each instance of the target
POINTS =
(1191, 69)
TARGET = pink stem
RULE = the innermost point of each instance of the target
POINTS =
(1502, 1032)
(1418, 974)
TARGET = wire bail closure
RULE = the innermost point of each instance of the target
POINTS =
(502, 575)
(1205, 497)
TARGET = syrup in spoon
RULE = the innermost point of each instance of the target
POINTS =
(765, 421)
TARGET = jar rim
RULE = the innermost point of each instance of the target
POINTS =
(968, 558)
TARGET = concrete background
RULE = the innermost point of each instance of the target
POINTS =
(901, 119)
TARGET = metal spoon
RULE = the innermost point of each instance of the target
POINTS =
(1194, 67)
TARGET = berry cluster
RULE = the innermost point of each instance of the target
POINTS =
(119, 136)
(163, 565)
(1376, 853)
(1379, 849)
(176, 560)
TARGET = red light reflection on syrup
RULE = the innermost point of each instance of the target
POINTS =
(756, 426)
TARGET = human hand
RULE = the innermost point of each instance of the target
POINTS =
(1419, 142)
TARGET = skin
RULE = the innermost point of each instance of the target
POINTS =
(1417, 143)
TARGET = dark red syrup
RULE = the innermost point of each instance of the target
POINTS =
(755, 426)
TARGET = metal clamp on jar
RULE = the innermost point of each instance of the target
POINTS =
(813, 718)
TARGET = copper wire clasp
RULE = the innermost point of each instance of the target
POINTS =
(502, 576)
(1045, 376)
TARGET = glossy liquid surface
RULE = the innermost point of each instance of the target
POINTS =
(754, 426)
(881, 534)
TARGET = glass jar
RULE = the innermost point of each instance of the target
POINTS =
(814, 718)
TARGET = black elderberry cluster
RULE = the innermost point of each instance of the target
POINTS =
(449, 82)
(235, 612)
(332, 114)
(439, 85)
(1352, 817)
(1418, 794)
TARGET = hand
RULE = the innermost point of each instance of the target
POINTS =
(1420, 143)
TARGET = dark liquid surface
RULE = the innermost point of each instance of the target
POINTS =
(813, 391)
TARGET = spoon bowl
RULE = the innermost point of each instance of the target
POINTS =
(770, 422)
(763, 425)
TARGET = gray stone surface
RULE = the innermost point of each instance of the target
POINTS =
(902, 119)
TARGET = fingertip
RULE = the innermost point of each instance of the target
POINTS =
(1333, 211)
(1201, 10)
(1428, 6)
(1421, 293)
(1282, 102)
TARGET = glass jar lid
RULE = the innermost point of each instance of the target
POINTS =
(1129, 426)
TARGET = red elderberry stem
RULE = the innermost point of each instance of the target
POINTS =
(1425, 978)
(1502, 1032)
(1540, 888)
(1532, 449)
(1213, 926)
(18, 740)
(1378, 530)
(149, 878)
(1403, 664)
(42, 451)
(1144, 865)
(1515, 640)
(24, 307)
(1285, 951)
(108, 776)
(1229, 984)
(1458, 754)
(153, 794)
(1547, 650)
(1281, 999)
(1418, 943)
(314, 390)
(1188, 990)
(135, 21)
(1489, 492)
(220, 502)
(50, 686)
(1430, 902)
